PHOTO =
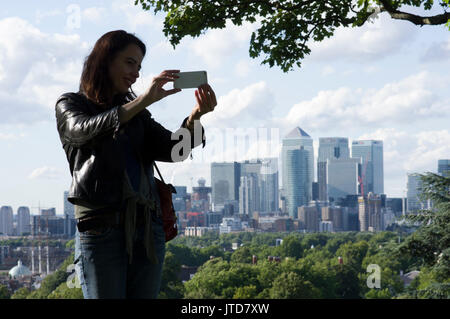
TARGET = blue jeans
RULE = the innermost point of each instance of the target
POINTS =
(103, 266)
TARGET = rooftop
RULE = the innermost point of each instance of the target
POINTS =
(297, 133)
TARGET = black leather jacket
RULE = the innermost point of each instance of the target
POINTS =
(92, 139)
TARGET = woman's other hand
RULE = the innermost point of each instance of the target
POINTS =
(156, 92)
(206, 102)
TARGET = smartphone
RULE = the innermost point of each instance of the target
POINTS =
(189, 80)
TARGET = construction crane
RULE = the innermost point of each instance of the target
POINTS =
(38, 229)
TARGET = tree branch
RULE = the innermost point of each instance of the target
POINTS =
(416, 19)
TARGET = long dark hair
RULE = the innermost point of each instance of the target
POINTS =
(95, 81)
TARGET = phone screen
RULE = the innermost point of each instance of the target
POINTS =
(188, 80)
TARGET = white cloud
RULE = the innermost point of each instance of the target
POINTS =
(328, 70)
(41, 15)
(162, 48)
(136, 17)
(217, 45)
(248, 107)
(143, 83)
(46, 173)
(431, 146)
(94, 14)
(35, 68)
(242, 68)
(370, 42)
(9, 136)
(407, 101)
(438, 51)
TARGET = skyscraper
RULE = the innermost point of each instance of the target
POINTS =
(370, 217)
(444, 167)
(342, 177)
(414, 202)
(69, 209)
(249, 189)
(296, 163)
(225, 178)
(298, 170)
(23, 220)
(179, 198)
(6, 220)
(370, 153)
(329, 148)
(248, 195)
(269, 185)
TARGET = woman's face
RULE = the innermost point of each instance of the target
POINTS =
(124, 69)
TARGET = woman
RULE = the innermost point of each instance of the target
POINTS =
(111, 142)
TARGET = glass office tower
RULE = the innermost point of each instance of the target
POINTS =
(370, 153)
(297, 168)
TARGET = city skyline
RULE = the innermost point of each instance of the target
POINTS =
(254, 180)
(384, 81)
(442, 165)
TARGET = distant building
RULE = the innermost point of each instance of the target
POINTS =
(250, 187)
(19, 271)
(213, 218)
(347, 201)
(335, 215)
(6, 220)
(23, 221)
(330, 148)
(298, 169)
(308, 217)
(370, 215)
(370, 153)
(200, 197)
(413, 193)
(275, 223)
(70, 224)
(326, 226)
(69, 208)
(179, 198)
(296, 180)
(249, 193)
(269, 185)
(50, 225)
(50, 212)
(197, 231)
(225, 179)
(444, 167)
(342, 177)
(230, 225)
(395, 204)
(196, 219)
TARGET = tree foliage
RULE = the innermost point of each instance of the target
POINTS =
(430, 244)
(289, 285)
(285, 27)
(21, 293)
(4, 292)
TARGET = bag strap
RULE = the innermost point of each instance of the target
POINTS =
(172, 188)
(160, 176)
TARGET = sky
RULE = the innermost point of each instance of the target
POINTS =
(387, 80)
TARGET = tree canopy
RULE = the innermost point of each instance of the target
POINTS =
(285, 26)
(430, 244)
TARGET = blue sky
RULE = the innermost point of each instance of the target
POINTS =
(387, 80)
